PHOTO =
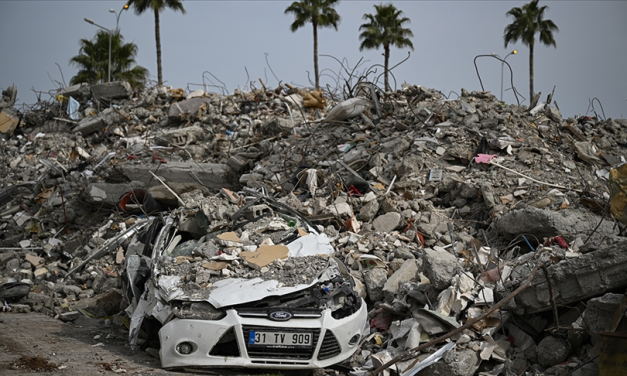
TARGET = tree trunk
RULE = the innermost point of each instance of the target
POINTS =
(530, 72)
(315, 32)
(386, 49)
(158, 39)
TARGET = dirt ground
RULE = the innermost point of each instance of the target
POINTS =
(35, 343)
(38, 344)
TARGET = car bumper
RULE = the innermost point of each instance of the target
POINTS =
(330, 345)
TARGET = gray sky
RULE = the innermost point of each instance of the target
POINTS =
(225, 37)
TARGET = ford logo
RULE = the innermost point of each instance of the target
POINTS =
(280, 315)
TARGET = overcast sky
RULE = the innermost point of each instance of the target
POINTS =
(225, 37)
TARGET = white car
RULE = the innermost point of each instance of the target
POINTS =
(298, 312)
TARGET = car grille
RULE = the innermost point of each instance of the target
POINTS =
(280, 353)
(297, 313)
(330, 346)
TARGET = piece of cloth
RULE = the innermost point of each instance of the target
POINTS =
(72, 108)
(484, 158)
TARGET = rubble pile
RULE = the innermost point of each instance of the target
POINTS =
(440, 208)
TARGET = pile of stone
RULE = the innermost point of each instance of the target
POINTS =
(441, 207)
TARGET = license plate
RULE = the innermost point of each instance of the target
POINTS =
(280, 339)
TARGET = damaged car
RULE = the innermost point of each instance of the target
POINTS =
(261, 290)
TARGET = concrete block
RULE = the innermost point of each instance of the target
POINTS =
(407, 272)
(439, 267)
(375, 280)
(112, 90)
(238, 163)
(5, 256)
(387, 222)
(368, 211)
(599, 312)
(578, 279)
(456, 362)
(90, 125)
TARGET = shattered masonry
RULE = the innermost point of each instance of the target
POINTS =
(439, 207)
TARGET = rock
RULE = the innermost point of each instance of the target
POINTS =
(5, 256)
(387, 222)
(439, 267)
(406, 273)
(455, 362)
(368, 211)
(552, 351)
(488, 196)
(71, 290)
(375, 280)
(403, 253)
(471, 119)
(20, 308)
(11, 266)
(69, 316)
(411, 165)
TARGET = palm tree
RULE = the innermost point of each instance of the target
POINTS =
(528, 21)
(321, 14)
(93, 61)
(157, 6)
(385, 28)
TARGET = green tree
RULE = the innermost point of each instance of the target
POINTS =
(385, 28)
(92, 61)
(529, 21)
(157, 7)
(321, 14)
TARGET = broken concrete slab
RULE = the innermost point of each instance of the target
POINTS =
(187, 107)
(78, 91)
(211, 175)
(96, 123)
(406, 273)
(577, 279)
(542, 223)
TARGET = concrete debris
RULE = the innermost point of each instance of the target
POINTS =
(406, 215)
